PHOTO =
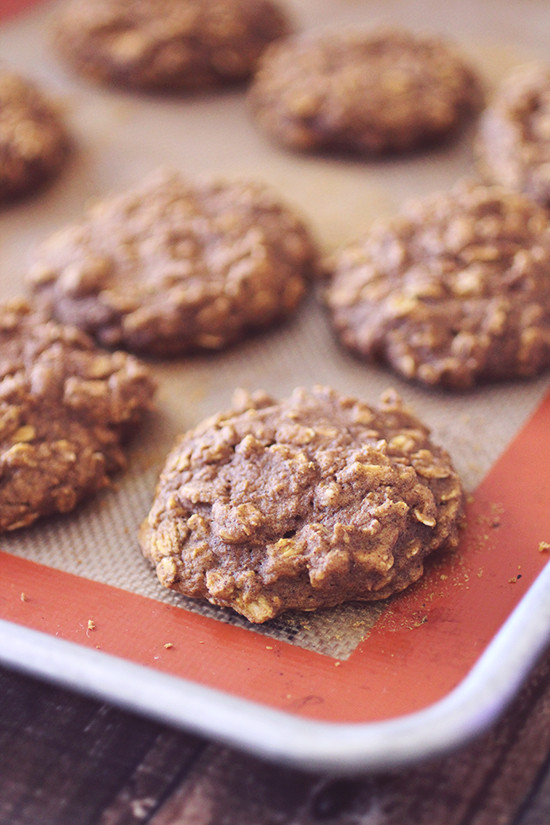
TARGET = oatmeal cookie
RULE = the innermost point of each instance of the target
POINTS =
(454, 291)
(171, 267)
(386, 90)
(172, 45)
(301, 504)
(34, 142)
(513, 141)
(65, 406)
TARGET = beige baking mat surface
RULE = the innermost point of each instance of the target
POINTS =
(119, 138)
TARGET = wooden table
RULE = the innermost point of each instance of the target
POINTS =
(68, 760)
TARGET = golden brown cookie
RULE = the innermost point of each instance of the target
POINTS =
(453, 291)
(173, 266)
(385, 90)
(65, 406)
(34, 142)
(304, 503)
(513, 141)
(170, 45)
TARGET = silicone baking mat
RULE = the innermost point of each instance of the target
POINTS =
(80, 578)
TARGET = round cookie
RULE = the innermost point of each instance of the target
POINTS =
(513, 140)
(171, 266)
(33, 140)
(65, 406)
(300, 504)
(386, 90)
(170, 45)
(454, 291)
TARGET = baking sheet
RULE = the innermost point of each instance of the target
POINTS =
(354, 668)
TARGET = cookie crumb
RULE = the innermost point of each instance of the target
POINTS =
(91, 624)
(544, 546)
(24, 597)
(168, 645)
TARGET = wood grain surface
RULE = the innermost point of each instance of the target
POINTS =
(68, 760)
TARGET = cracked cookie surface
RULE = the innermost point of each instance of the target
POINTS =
(34, 142)
(172, 266)
(167, 45)
(453, 291)
(301, 504)
(385, 90)
(65, 406)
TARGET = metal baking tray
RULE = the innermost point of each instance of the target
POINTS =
(304, 743)
(353, 689)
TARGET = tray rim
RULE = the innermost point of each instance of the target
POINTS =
(335, 747)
